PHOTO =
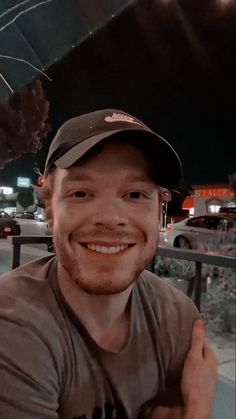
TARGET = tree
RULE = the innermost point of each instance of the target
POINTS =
(23, 122)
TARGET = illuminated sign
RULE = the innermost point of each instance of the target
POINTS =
(6, 190)
(23, 182)
(214, 192)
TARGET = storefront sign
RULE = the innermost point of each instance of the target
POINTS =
(219, 192)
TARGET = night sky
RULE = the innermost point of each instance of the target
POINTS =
(173, 65)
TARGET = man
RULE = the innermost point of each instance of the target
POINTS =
(89, 333)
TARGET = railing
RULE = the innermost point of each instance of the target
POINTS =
(199, 258)
(17, 241)
(190, 255)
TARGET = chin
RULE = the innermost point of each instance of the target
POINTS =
(102, 281)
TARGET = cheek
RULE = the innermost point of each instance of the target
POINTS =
(153, 222)
(60, 220)
(150, 230)
(153, 238)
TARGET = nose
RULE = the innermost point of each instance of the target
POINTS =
(110, 214)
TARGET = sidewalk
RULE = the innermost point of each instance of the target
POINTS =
(224, 401)
(224, 347)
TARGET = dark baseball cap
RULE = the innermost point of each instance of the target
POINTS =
(78, 135)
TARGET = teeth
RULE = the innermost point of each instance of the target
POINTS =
(106, 249)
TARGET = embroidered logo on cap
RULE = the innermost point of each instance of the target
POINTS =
(122, 118)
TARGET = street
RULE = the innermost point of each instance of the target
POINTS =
(32, 227)
(28, 253)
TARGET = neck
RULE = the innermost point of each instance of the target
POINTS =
(100, 314)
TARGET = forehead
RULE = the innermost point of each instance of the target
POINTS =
(116, 153)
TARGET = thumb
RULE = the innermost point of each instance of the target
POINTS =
(198, 335)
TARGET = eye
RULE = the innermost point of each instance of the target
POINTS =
(80, 194)
(135, 195)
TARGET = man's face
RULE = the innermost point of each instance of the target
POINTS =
(105, 219)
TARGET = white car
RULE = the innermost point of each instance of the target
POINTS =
(214, 231)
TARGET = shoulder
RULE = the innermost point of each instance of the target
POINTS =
(26, 277)
(33, 350)
(29, 316)
(26, 296)
(162, 291)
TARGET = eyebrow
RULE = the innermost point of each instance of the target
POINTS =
(79, 177)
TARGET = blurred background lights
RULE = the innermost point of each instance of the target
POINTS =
(6, 190)
(225, 3)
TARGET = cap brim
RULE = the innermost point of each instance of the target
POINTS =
(78, 150)
(169, 166)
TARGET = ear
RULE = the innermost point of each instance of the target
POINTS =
(49, 214)
(50, 225)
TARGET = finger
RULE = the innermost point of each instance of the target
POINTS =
(208, 353)
(198, 335)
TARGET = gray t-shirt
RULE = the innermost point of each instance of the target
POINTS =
(50, 367)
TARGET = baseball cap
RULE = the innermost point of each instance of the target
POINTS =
(81, 133)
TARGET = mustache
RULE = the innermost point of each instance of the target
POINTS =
(106, 234)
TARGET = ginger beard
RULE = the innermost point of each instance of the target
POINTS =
(102, 275)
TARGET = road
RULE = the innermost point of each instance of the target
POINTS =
(28, 253)
(32, 227)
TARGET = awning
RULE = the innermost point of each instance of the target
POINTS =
(188, 202)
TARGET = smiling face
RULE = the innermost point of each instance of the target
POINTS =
(105, 219)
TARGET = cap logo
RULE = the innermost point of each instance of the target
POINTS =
(115, 117)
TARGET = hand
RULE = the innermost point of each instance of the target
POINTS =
(197, 383)
(199, 375)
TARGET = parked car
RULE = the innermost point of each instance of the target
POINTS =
(8, 226)
(228, 210)
(40, 217)
(23, 214)
(210, 231)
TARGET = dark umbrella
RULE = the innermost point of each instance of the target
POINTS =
(36, 34)
(33, 36)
